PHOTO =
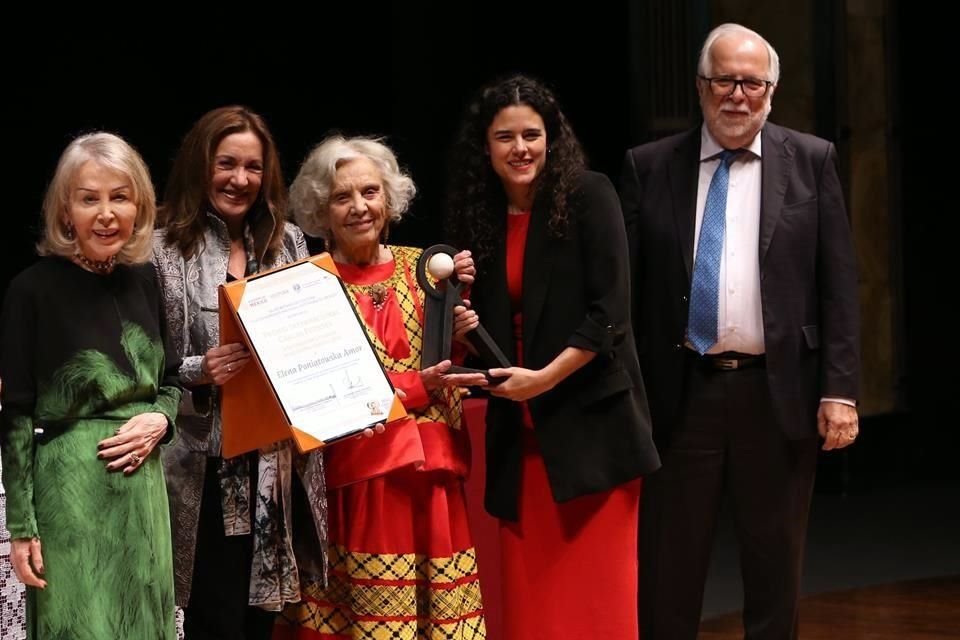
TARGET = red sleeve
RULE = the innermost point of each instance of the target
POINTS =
(411, 384)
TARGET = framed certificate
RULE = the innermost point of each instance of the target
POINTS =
(313, 367)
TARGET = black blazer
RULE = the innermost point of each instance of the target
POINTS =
(593, 428)
(808, 279)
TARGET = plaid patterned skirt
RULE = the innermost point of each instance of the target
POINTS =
(402, 565)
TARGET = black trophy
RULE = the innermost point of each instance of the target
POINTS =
(438, 324)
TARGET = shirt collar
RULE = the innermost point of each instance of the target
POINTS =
(710, 148)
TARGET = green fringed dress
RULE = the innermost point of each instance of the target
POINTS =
(80, 354)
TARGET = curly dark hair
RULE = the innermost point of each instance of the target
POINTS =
(476, 200)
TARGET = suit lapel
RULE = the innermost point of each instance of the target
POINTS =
(683, 170)
(537, 265)
(777, 163)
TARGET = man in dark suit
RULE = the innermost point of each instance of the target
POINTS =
(746, 316)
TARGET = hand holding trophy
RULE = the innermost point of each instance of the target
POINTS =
(441, 298)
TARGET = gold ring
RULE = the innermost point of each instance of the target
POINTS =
(851, 436)
(134, 458)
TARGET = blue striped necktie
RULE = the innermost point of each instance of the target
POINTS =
(705, 290)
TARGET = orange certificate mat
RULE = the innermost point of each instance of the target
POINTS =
(314, 375)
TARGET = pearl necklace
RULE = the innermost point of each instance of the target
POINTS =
(96, 266)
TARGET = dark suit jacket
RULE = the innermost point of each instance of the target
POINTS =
(808, 280)
(593, 428)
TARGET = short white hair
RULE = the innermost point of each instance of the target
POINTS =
(731, 28)
(310, 191)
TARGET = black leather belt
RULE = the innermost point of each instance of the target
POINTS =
(730, 360)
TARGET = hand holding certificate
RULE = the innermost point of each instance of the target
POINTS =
(313, 360)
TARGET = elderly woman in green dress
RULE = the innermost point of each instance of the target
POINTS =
(88, 394)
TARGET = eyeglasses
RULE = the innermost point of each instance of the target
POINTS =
(724, 86)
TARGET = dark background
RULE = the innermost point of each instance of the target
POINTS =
(406, 72)
(392, 75)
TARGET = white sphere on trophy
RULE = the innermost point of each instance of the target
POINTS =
(440, 266)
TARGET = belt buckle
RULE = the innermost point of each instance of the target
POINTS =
(726, 364)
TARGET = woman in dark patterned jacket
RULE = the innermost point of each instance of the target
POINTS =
(223, 218)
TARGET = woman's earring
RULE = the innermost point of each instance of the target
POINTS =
(68, 231)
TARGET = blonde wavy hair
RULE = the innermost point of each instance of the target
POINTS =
(112, 152)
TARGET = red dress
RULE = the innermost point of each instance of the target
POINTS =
(569, 570)
(402, 561)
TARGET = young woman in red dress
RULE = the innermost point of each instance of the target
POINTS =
(568, 430)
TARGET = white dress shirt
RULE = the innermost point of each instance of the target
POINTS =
(740, 314)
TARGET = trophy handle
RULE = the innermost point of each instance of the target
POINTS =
(487, 350)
